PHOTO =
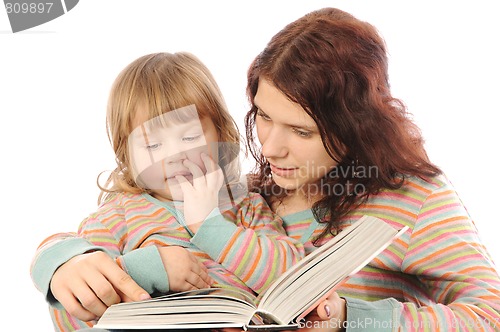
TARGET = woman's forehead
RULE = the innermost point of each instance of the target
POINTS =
(280, 108)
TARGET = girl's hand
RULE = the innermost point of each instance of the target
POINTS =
(201, 197)
(89, 283)
(184, 270)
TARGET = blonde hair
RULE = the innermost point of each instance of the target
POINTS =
(163, 82)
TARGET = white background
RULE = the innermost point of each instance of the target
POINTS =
(55, 78)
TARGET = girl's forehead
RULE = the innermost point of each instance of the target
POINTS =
(184, 115)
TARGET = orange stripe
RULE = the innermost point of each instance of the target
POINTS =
(434, 316)
(57, 316)
(443, 193)
(105, 220)
(473, 319)
(435, 254)
(156, 213)
(252, 268)
(416, 186)
(384, 208)
(229, 245)
(474, 268)
(145, 236)
(435, 224)
(401, 242)
(369, 288)
(56, 237)
(379, 262)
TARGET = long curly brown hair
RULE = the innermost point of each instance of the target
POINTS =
(335, 66)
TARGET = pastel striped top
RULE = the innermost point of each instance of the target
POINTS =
(437, 277)
(244, 247)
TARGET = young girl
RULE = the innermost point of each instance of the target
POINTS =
(173, 215)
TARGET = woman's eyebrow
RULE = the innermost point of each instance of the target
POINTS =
(292, 125)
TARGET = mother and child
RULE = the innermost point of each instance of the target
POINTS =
(333, 145)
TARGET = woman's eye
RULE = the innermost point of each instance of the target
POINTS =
(302, 133)
(153, 147)
(190, 138)
(263, 115)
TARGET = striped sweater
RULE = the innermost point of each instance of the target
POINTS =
(437, 277)
(245, 247)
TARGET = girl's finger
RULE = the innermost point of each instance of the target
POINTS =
(214, 176)
(210, 164)
(184, 183)
(198, 176)
(75, 308)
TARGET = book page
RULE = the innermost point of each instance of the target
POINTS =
(213, 307)
(296, 292)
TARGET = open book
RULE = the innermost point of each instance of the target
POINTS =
(289, 298)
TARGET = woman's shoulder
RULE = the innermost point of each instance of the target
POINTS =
(419, 187)
(430, 184)
(408, 200)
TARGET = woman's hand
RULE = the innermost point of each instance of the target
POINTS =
(329, 316)
(184, 270)
(201, 197)
(89, 283)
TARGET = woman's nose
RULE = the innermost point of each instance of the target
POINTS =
(274, 144)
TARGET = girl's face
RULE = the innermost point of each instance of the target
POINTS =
(159, 146)
(290, 141)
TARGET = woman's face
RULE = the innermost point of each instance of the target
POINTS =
(290, 141)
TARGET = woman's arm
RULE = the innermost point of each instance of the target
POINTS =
(446, 254)
(460, 287)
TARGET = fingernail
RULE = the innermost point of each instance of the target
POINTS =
(327, 309)
(144, 297)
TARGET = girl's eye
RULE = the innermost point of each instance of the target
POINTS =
(263, 115)
(190, 138)
(153, 147)
(302, 133)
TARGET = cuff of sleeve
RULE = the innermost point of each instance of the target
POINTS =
(214, 234)
(376, 316)
(52, 258)
(145, 266)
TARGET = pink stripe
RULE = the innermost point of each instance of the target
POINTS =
(438, 210)
(431, 243)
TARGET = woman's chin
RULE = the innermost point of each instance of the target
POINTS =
(287, 184)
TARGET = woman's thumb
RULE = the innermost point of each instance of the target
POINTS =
(326, 309)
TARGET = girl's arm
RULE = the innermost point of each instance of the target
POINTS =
(69, 266)
(253, 245)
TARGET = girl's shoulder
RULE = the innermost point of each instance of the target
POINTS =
(119, 201)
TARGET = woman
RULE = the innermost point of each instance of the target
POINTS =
(335, 145)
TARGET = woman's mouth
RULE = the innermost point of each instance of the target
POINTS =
(283, 171)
